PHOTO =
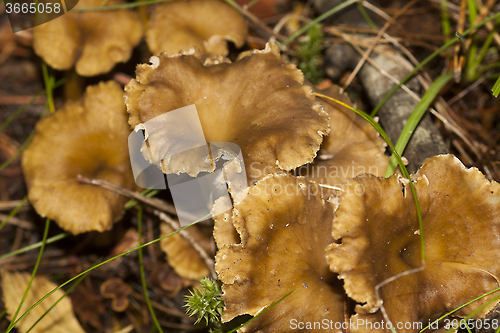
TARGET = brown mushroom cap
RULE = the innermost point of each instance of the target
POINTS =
(204, 25)
(94, 41)
(353, 147)
(378, 227)
(284, 226)
(87, 137)
(257, 102)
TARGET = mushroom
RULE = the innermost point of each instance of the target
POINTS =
(118, 291)
(205, 25)
(92, 41)
(87, 137)
(352, 148)
(284, 225)
(376, 223)
(269, 114)
(181, 256)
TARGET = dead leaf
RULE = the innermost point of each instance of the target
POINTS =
(60, 319)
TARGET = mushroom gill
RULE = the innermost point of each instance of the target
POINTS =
(377, 224)
(284, 226)
(86, 137)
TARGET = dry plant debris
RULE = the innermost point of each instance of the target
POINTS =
(60, 319)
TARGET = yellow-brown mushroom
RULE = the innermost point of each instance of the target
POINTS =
(353, 147)
(284, 225)
(93, 41)
(87, 137)
(377, 224)
(258, 103)
(205, 25)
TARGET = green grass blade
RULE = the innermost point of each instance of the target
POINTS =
(365, 15)
(49, 85)
(13, 212)
(429, 58)
(496, 88)
(143, 277)
(120, 6)
(445, 20)
(260, 314)
(36, 245)
(44, 239)
(415, 118)
(318, 20)
(252, 3)
(105, 262)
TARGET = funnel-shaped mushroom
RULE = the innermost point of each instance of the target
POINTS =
(284, 225)
(257, 103)
(205, 25)
(378, 227)
(352, 148)
(87, 137)
(94, 41)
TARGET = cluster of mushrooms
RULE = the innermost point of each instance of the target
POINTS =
(317, 217)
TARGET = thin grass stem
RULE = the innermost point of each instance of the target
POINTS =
(36, 245)
(143, 277)
(105, 262)
(13, 322)
(13, 212)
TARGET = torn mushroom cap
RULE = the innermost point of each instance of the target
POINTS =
(203, 25)
(181, 256)
(353, 147)
(258, 103)
(87, 137)
(284, 226)
(95, 41)
(378, 227)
